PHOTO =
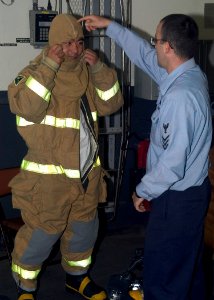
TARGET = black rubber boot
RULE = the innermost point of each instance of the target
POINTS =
(25, 295)
(85, 286)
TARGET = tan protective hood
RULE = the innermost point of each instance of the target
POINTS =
(64, 28)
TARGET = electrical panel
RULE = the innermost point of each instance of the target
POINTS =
(40, 21)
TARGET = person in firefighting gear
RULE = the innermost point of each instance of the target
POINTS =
(57, 99)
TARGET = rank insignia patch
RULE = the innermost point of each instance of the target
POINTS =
(18, 79)
(165, 136)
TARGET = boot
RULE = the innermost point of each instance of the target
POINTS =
(25, 295)
(85, 286)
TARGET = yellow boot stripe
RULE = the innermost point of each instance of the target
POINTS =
(101, 296)
(26, 297)
(84, 283)
(136, 294)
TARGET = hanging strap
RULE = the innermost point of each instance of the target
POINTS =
(87, 112)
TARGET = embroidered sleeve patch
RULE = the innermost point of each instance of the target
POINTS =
(18, 79)
(165, 136)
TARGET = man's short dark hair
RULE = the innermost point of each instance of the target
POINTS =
(181, 31)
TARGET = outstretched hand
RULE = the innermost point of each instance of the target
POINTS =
(93, 22)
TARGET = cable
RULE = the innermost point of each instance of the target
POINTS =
(49, 7)
(8, 4)
(84, 9)
(69, 7)
(70, 11)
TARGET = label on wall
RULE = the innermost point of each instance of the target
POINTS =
(23, 40)
(8, 44)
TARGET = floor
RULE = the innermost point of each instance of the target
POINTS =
(117, 247)
(114, 252)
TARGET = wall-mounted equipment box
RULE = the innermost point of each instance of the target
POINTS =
(40, 21)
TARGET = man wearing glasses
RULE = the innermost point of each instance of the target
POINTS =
(176, 180)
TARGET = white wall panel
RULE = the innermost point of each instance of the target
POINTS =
(147, 13)
(14, 23)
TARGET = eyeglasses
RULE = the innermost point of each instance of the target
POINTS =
(154, 41)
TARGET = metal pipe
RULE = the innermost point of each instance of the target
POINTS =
(84, 8)
(125, 86)
(60, 6)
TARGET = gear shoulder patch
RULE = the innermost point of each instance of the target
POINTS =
(18, 79)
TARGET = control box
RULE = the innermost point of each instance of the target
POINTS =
(40, 21)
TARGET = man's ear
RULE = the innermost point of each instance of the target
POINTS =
(167, 47)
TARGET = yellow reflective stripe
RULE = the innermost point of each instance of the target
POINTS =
(37, 88)
(94, 115)
(106, 95)
(52, 169)
(84, 284)
(23, 297)
(25, 273)
(97, 162)
(40, 168)
(72, 173)
(61, 122)
(22, 122)
(51, 121)
(81, 263)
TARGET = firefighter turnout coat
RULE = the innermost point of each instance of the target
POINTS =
(61, 179)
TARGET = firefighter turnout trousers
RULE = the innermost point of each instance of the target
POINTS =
(55, 207)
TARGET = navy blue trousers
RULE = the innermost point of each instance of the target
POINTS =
(173, 268)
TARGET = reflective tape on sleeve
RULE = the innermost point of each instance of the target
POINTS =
(106, 95)
(25, 273)
(22, 122)
(81, 263)
(38, 88)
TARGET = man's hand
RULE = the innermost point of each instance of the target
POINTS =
(56, 53)
(93, 22)
(90, 57)
(138, 203)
